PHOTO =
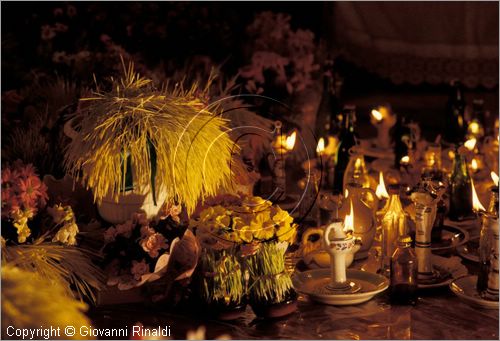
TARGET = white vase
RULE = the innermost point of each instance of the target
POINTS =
(130, 202)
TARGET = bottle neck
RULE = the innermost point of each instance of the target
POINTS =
(349, 121)
(460, 165)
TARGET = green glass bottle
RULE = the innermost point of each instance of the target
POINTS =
(347, 140)
(460, 190)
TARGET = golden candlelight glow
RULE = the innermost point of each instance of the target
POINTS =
(290, 141)
(405, 160)
(321, 146)
(494, 177)
(381, 191)
(474, 165)
(476, 204)
(474, 128)
(451, 154)
(349, 220)
(470, 144)
(357, 164)
(377, 115)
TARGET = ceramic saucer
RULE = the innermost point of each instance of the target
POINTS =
(451, 237)
(470, 250)
(465, 289)
(446, 270)
(312, 283)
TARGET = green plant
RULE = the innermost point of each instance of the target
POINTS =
(168, 139)
(221, 277)
(269, 278)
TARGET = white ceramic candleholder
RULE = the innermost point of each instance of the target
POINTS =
(340, 246)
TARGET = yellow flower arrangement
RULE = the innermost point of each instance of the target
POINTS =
(255, 220)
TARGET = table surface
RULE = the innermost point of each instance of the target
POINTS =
(438, 314)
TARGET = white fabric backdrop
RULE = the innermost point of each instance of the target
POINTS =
(419, 42)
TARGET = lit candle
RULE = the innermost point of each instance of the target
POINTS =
(474, 166)
(383, 120)
(349, 220)
(377, 116)
(281, 147)
(476, 204)
(494, 177)
(320, 149)
(290, 141)
(381, 191)
(470, 144)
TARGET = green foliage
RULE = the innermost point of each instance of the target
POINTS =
(269, 279)
(222, 277)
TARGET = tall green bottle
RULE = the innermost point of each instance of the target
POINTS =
(460, 190)
(347, 140)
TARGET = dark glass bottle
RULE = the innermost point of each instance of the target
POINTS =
(404, 269)
(454, 118)
(402, 137)
(329, 108)
(347, 140)
(460, 189)
(486, 241)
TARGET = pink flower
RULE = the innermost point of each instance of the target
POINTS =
(30, 190)
(170, 210)
(153, 244)
(138, 269)
(8, 177)
(110, 235)
(48, 32)
(147, 231)
(27, 171)
(125, 229)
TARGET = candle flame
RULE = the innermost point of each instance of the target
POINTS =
(494, 177)
(358, 163)
(290, 141)
(381, 191)
(321, 146)
(474, 165)
(405, 159)
(476, 204)
(349, 220)
(377, 115)
(470, 144)
(474, 127)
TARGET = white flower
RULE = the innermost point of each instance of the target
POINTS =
(67, 234)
